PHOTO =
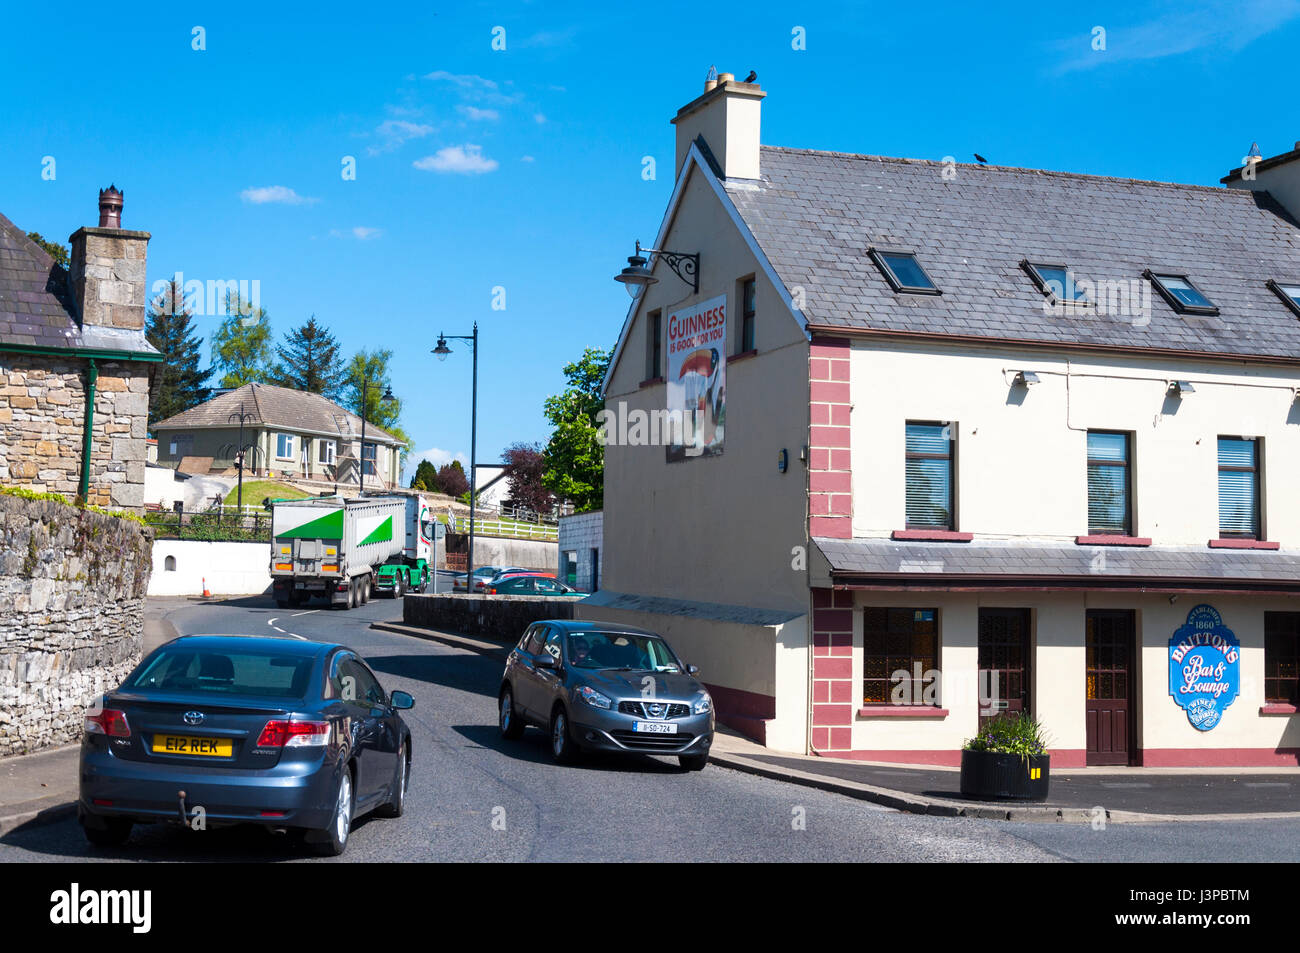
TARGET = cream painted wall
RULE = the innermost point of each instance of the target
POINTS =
(714, 529)
(1021, 454)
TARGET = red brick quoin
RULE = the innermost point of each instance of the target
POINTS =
(830, 491)
(833, 694)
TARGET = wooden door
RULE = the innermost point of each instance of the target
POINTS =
(1004, 662)
(1110, 646)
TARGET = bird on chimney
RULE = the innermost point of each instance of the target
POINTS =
(751, 77)
(980, 159)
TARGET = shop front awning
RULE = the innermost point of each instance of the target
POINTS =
(1000, 564)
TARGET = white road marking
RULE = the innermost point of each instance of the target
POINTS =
(308, 612)
(297, 636)
(271, 623)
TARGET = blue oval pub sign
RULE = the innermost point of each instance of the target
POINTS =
(1204, 667)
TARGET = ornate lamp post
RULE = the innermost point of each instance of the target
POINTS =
(442, 351)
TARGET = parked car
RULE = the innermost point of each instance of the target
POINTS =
(531, 585)
(272, 731)
(483, 575)
(600, 687)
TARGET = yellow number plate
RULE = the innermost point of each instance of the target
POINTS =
(187, 744)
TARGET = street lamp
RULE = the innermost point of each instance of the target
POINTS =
(239, 450)
(386, 395)
(441, 351)
(638, 273)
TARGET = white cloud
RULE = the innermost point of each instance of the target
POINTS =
(277, 194)
(539, 118)
(463, 80)
(478, 115)
(394, 132)
(527, 159)
(438, 457)
(360, 233)
(464, 160)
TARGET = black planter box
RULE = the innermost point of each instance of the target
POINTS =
(990, 776)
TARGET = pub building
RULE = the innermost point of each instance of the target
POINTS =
(968, 439)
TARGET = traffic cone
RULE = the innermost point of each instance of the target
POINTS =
(206, 594)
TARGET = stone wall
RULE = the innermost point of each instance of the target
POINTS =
(584, 535)
(42, 413)
(494, 617)
(73, 584)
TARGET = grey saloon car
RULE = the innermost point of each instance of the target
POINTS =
(219, 730)
(593, 686)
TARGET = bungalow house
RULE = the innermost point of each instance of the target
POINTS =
(285, 432)
(895, 446)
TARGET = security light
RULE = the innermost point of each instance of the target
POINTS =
(1025, 378)
(1179, 388)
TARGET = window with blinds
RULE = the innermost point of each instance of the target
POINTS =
(1239, 488)
(1109, 484)
(929, 449)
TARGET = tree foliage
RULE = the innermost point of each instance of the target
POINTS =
(452, 479)
(178, 383)
(575, 456)
(241, 346)
(426, 477)
(310, 360)
(525, 468)
(56, 251)
(370, 368)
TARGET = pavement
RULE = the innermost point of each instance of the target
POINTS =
(41, 788)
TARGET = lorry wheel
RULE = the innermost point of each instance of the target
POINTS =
(399, 588)
(352, 594)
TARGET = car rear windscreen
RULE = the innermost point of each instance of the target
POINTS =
(263, 674)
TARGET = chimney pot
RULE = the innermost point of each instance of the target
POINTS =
(726, 78)
(110, 207)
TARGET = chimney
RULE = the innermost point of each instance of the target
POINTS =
(1279, 176)
(107, 269)
(727, 116)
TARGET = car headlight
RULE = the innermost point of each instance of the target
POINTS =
(703, 704)
(594, 698)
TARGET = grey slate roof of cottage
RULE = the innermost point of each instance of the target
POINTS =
(815, 214)
(1055, 562)
(272, 406)
(36, 304)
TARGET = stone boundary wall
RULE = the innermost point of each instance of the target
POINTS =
(73, 584)
(493, 617)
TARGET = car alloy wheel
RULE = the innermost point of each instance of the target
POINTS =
(509, 723)
(562, 746)
(343, 810)
(397, 799)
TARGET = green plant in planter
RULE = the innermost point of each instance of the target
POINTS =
(1019, 734)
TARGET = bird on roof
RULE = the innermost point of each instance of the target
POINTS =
(980, 159)
(751, 77)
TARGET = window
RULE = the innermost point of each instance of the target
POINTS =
(368, 459)
(571, 568)
(1289, 292)
(929, 476)
(1181, 294)
(1109, 486)
(1055, 281)
(904, 272)
(1282, 657)
(654, 367)
(1238, 487)
(169, 564)
(284, 446)
(747, 312)
(359, 685)
(898, 645)
(327, 450)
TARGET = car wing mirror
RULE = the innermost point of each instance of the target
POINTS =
(402, 700)
(692, 670)
(547, 661)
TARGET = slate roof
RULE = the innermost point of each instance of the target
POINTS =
(36, 304)
(815, 214)
(1058, 563)
(272, 406)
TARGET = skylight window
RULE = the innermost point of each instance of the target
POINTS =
(1055, 281)
(904, 272)
(1179, 291)
(1289, 292)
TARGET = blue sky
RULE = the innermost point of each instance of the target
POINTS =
(522, 168)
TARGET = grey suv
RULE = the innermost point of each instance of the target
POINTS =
(601, 687)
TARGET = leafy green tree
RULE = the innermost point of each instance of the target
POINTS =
(310, 360)
(371, 368)
(426, 477)
(178, 383)
(241, 347)
(575, 456)
(56, 251)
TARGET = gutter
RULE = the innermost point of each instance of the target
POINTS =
(89, 353)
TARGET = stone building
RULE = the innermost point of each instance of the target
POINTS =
(66, 334)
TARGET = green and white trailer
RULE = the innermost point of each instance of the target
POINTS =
(339, 550)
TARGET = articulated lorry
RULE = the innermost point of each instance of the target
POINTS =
(345, 551)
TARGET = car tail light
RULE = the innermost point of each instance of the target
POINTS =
(294, 734)
(109, 722)
(492, 590)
